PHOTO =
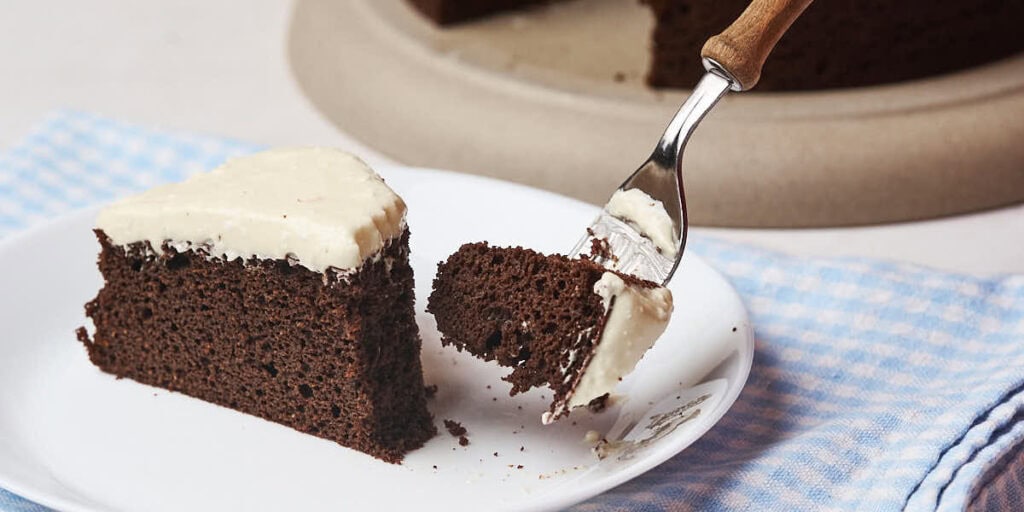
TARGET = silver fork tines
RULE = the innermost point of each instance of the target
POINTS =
(625, 249)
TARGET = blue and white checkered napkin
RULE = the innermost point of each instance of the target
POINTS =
(876, 386)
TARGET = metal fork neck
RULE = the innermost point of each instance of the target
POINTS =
(709, 90)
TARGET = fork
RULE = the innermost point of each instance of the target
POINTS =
(642, 229)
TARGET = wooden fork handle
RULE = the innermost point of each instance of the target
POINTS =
(742, 47)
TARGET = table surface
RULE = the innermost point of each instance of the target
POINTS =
(221, 68)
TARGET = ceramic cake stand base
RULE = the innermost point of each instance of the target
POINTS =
(520, 98)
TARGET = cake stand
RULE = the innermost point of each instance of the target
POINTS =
(554, 98)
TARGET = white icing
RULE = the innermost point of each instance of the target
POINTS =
(322, 207)
(636, 319)
(592, 437)
(573, 354)
(648, 215)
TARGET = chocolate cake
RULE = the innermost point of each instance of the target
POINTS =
(277, 285)
(843, 43)
(838, 43)
(446, 12)
(568, 324)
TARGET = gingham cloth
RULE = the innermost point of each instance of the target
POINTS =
(876, 386)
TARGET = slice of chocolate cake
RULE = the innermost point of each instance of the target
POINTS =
(278, 285)
(566, 323)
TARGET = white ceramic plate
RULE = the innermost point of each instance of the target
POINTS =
(77, 439)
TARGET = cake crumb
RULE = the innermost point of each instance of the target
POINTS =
(430, 390)
(604, 448)
(522, 448)
(495, 454)
(435, 466)
(733, 329)
(455, 428)
(519, 466)
(82, 335)
(600, 248)
(463, 441)
(598, 404)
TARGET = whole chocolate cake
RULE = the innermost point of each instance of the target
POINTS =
(277, 285)
(446, 12)
(835, 43)
(569, 324)
(843, 43)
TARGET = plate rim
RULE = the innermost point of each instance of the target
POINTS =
(746, 349)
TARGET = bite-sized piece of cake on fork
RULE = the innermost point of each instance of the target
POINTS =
(569, 324)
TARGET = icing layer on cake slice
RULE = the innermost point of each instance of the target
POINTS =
(322, 207)
(636, 317)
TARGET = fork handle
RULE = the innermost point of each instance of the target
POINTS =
(741, 49)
